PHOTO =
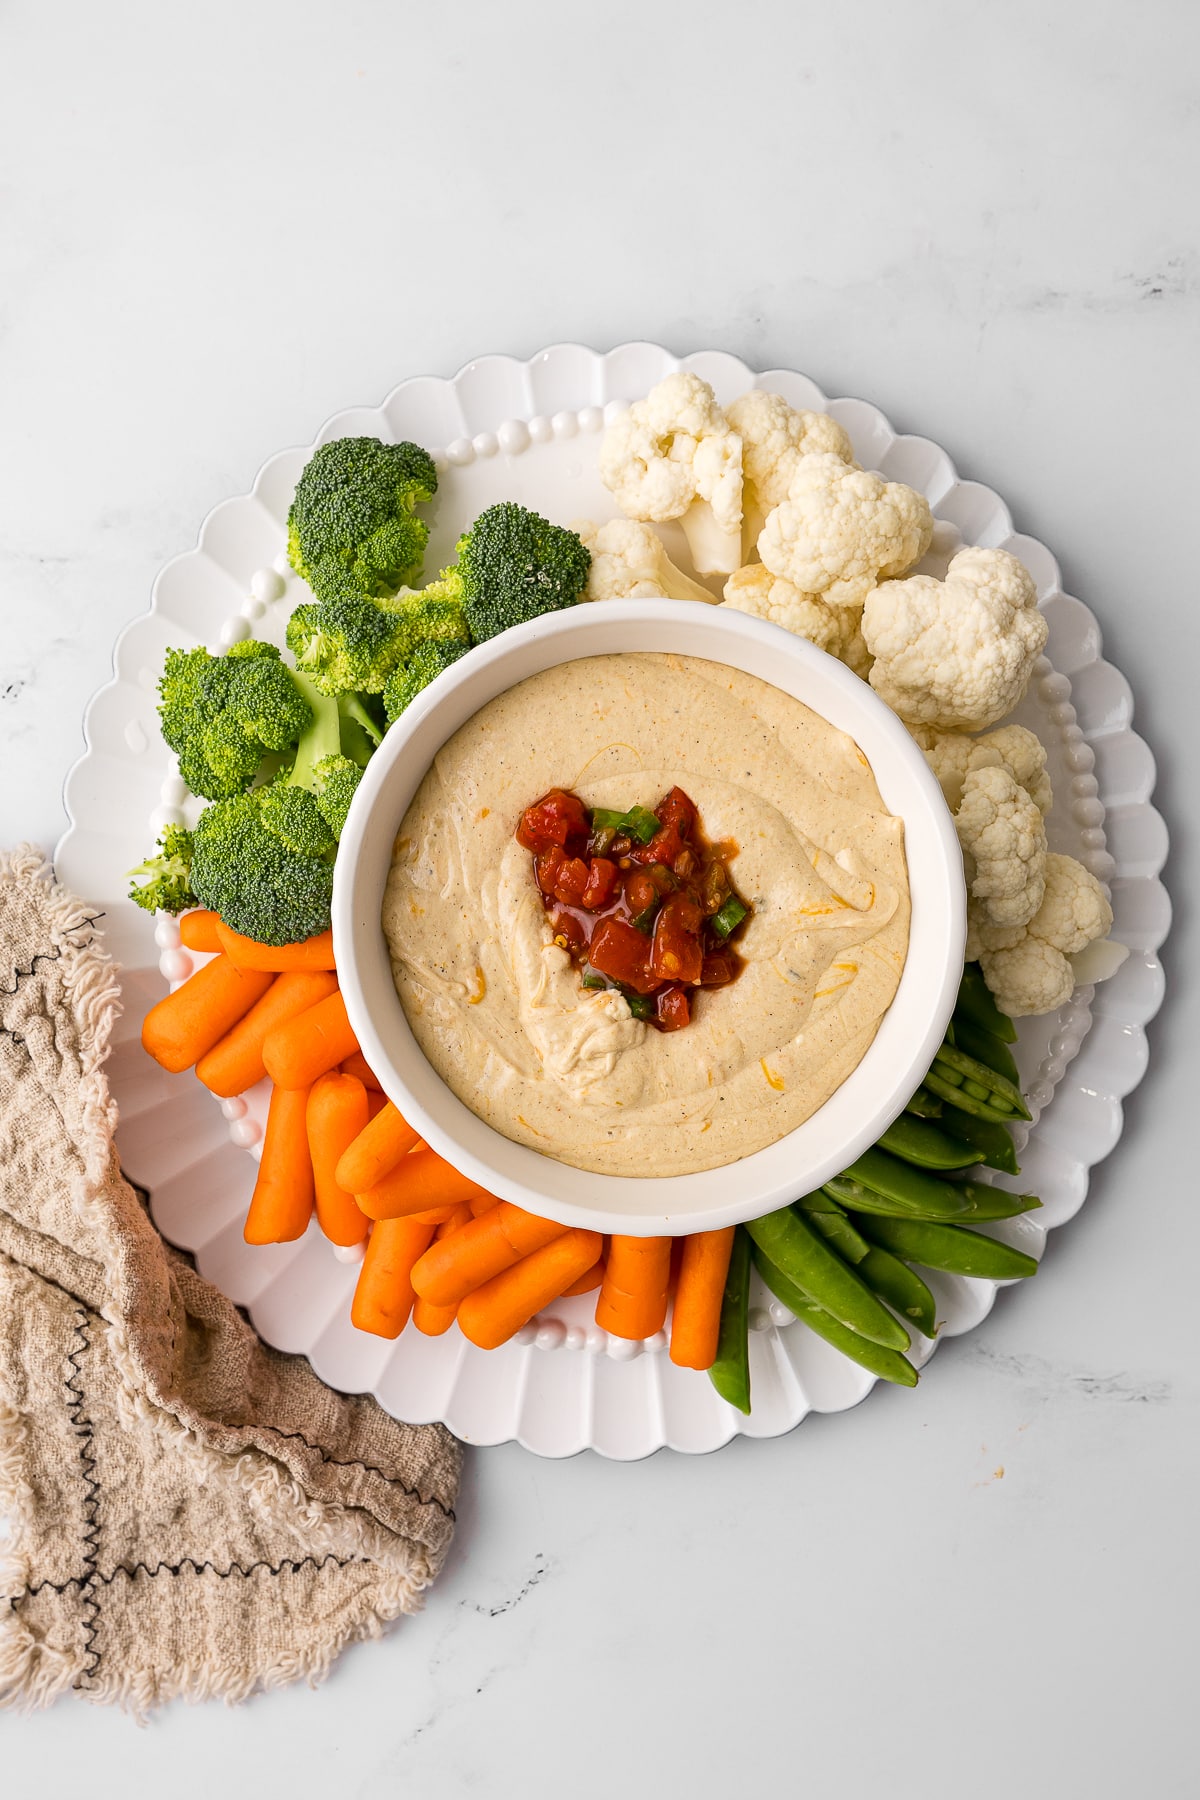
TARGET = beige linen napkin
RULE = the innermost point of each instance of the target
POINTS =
(190, 1513)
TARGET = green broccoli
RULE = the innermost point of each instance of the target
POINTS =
(351, 525)
(336, 782)
(169, 888)
(249, 866)
(222, 715)
(350, 642)
(426, 661)
(514, 565)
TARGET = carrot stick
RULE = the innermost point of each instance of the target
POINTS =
(696, 1314)
(247, 953)
(452, 1269)
(282, 1202)
(591, 1278)
(236, 1063)
(483, 1202)
(184, 1026)
(492, 1313)
(420, 1180)
(633, 1294)
(356, 1064)
(309, 1045)
(376, 1101)
(428, 1318)
(336, 1113)
(386, 1140)
(383, 1296)
(198, 931)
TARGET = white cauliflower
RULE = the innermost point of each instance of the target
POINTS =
(1034, 968)
(774, 437)
(952, 756)
(841, 530)
(834, 629)
(630, 562)
(674, 456)
(959, 653)
(1003, 839)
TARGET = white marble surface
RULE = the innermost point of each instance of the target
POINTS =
(220, 223)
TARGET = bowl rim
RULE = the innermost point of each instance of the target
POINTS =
(858, 1111)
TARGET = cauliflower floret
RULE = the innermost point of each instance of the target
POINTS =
(952, 756)
(841, 530)
(835, 629)
(630, 562)
(674, 456)
(1035, 969)
(957, 653)
(774, 438)
(1003, 839)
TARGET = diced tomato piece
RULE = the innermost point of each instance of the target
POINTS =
(546, 865)
(676, 953)
(567, 926)
(672, 1009)
(570, 880)
(645, 886)
(663, 847)
(676, 809)
(557, 818)
(623, 954)
(718, 968)
(602, 879)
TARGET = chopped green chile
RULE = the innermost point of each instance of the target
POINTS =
(639, 822)
(729, 917)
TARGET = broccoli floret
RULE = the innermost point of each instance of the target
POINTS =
(169, 887)
(222, 714)
(352, 519)
(336, 780)
(259, 882)
(349, 642)
(426, 661)
(514, 565)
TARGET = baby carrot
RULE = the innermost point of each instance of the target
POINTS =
(375, 1100)
(452, 1269)
(696, 1313)
(309, 1045)
(492, 1313)
(336, 1113)
(184, 1026)
(236, 1062)
(383, 1296)
(247, 953)
(420, 1180)
(198, 931)
(282, 1202)
(633, 1294)
(482, 1202)
(375, 1154)
(356, 1064)
(428, 1318)
(591, 1278)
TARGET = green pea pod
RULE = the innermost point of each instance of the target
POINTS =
(975, 1003)
(970, 1084)
(827, 1216)
(886, 1276)
(919, 1142)
(730, 1372)
(949, 1247)
(923, 1196)
(888, 1364)
(986, 1048)
(795, 1248)
(966, 1200)
(924, 1105)
(990, 1140)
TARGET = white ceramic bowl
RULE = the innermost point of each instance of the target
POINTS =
(866, 1102)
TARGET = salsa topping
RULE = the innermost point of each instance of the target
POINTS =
(641, 899)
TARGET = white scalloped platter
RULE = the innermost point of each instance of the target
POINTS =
(502, 429)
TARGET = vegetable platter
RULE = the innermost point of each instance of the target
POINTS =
(530, 432)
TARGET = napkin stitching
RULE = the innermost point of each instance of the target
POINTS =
(83, 1429)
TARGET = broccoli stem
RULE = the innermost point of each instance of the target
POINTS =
(361, 736)
(322, 737)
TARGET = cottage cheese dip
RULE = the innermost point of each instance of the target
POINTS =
(498, 1007)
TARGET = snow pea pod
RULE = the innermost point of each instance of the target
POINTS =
(971, 1085)
(990, 1140)
(913, 1194)
(800, 1253)
(949, 1247)
(985, 1047)
(730, 1371)
(886, 1276)
(975, 1003)
(888, 1364)
(924, 1105)
(919, 1142)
